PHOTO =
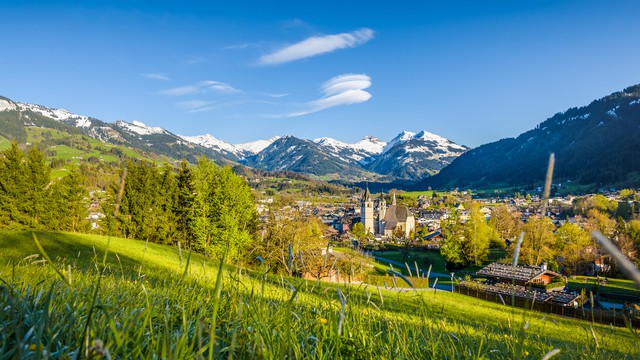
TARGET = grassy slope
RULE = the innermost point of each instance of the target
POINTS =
(145, 307)
(4, 143)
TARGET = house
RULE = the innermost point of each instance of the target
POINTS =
(525, 282)
(520, 275)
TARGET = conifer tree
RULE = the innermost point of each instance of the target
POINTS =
(183, 209)
(36, 194)
(12, 188)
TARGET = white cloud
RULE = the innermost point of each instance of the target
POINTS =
(156, 76)
(201, 87)
(317, 45)
(345, 89)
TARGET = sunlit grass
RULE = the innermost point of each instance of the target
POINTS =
(148, 306)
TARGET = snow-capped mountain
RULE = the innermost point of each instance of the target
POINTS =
(362, 152)
(305, 156)
(211, 142)
(415, 155)
(254, 147)
(136, 134)
(140, 128)
(407, 156)
(240, 151)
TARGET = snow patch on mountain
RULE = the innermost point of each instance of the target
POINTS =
(255, 147)
(401, 138)
(370, 144)
(362, 151)
(6, 105)
(443, 147)
(56, 114)
(140, 128)
(209, 141)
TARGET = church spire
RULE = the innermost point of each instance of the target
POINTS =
(367, 194)
(393, 202)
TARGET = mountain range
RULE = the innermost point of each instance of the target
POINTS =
(408, 156)
(597, 144)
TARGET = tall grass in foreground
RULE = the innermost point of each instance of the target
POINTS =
(153, 312)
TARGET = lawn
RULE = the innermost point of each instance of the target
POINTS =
(141, 301)
(599, 286)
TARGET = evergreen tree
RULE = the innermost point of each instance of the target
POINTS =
(183, 210)
(36, 195)
(164, 203)
(67, 204)
(13, 182)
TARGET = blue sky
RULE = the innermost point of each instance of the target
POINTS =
(472, 71)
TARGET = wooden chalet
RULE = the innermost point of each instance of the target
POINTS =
(520, 275)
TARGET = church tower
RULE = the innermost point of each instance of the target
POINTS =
(382, 211)
(366, 211)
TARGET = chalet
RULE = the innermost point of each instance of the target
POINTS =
(525, 282)
(520, 275)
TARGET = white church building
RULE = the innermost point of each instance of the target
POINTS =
(378, 219)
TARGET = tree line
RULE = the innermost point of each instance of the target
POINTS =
(567, 247)
(205, 208)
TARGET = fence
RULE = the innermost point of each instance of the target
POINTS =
(613, 317)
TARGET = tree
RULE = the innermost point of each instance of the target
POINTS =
(235, 211)
(504, 225)
(24, 191)
(574, 247)
(466, 243)
(183, 210)
(477, 234)
(597, 220)
(286, 228)
(13, 182)
(225, 218)
(203, 218)
(537, 245)
(37, 177)
(67, 202)
(359, 232)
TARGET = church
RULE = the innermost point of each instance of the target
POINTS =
(385, 221)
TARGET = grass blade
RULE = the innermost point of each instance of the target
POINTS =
(46, 256)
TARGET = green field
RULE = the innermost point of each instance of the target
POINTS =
(141, 301)
(4, 143)
(598, 286)
(415, 194)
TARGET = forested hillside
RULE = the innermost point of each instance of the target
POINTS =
(596, 144)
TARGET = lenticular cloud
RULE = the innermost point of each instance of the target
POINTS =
(345, 89)
(317, 45)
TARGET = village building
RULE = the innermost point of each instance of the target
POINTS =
(535, 283)
(386, 221)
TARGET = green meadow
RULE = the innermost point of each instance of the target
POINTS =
(102, 297)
